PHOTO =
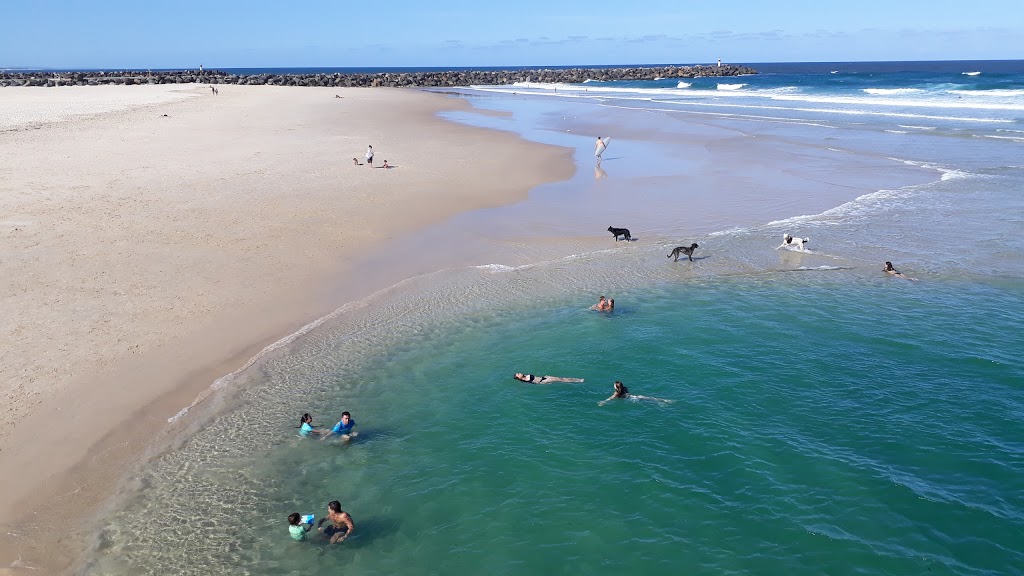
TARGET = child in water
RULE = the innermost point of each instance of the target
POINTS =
(296, 528)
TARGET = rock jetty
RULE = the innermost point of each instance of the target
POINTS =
(390, 79)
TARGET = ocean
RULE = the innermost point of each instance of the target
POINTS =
(817, 416)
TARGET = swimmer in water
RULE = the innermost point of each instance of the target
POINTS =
(306, 426)
(343, 428)
(531, 379)
(341, 523)
(604, 304)
(620, 391)
(894, 272)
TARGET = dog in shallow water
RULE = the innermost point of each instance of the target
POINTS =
(687, 250)
(791, 242)
(624, 232)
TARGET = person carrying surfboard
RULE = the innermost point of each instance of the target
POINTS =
(599, 148)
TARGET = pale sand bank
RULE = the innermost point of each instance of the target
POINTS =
(143, 255)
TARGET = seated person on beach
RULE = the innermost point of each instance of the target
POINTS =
(306, 426)
(296, 528)
(343, 428)
(341, 523)
(531, 379)
(355, 161)
(890, 270)
(386, 165)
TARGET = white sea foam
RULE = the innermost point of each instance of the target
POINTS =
(880, 97)
(994, 93)
(911, 126)
(497, 267)
(971, 73)
(885, 91)
(896, 131)
(682, 84)
(1011, 138)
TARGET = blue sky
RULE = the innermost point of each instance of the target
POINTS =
(264, 33)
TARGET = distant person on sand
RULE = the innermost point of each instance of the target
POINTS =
(306, 426)
(531, 379)
(386, 165)
(341, 523)
(620, 391)
(890, 270)
(355, 161)
(369, 156)
(599, 148)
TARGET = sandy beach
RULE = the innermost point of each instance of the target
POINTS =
(154, 238)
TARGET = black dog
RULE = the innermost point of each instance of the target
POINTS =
(624, 232)
(688, 250)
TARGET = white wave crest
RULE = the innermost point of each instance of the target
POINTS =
(884, 91)
(971, 73)
(996, 92)
(730, 86)
(682, 84)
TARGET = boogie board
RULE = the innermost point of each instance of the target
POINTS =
(600, 149)
(307, 519)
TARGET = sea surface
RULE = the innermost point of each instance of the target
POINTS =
(801, 412)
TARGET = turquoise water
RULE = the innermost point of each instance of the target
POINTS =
(819, 424)
(824, 419)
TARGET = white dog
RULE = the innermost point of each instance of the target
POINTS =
(790, 242)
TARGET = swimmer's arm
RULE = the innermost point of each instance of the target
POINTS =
(320, 524)
(606, 400)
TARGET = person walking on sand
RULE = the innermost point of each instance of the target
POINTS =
(599, 148)
(341, 526)
(369, 156)
(531, 379)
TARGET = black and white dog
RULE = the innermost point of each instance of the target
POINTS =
(791, 242)
(687, 250)
(624, 232)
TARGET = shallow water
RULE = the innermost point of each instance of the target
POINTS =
(825, 418)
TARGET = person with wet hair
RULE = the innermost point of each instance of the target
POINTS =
(341, 526)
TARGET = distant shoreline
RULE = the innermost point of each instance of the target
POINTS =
(389, 79)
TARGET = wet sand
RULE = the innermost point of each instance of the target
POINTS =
(152, 239)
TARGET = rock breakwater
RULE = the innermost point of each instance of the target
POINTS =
(389, 79)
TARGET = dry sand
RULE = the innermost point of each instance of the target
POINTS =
(152, 238)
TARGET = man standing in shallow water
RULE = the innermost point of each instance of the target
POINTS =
(341, 523)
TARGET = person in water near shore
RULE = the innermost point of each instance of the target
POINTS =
(604, 304)
(343, 428)
(531, 379)
(296, 529)
(306, 426)
(341, 523)
(890, 270)
(620, 391)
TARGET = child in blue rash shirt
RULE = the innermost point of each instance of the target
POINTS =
(306, 426)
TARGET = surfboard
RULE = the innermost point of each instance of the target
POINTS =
(600, 149)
